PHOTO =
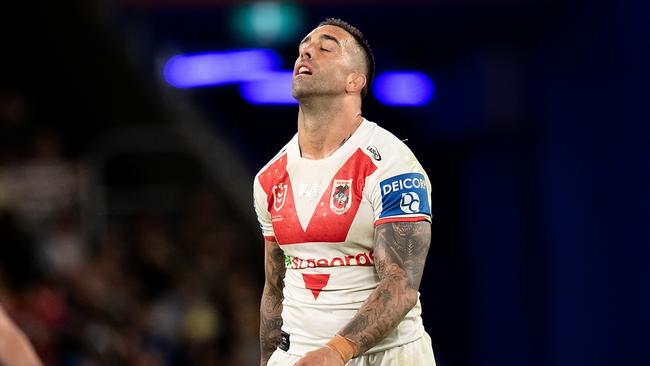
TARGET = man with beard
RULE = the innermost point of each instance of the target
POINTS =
(345, 213)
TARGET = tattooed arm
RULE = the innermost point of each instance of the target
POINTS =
(400, 251)
(271, 305)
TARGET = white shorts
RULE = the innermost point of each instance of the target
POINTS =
(416, 353)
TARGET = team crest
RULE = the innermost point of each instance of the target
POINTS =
(341, 198)
(279, 195)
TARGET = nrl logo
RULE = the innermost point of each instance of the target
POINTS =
(341, 199)
(279, 195)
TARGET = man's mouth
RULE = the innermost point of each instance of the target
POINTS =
(303, 70)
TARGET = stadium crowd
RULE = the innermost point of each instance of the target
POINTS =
(150, 289)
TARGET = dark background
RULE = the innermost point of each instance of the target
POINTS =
(125, 235)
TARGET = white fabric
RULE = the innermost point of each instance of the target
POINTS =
(322, 213)
(416, 353)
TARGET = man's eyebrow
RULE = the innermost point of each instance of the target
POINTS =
(331, 38)
(322, 36)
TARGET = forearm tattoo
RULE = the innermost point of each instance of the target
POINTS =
(400, 252)
(271, 305)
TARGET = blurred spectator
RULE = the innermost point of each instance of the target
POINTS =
(45, 183)
(152, 290)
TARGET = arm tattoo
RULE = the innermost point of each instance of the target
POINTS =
(271, 305)
(400, 251)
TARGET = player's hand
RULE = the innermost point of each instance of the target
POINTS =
(323, 356)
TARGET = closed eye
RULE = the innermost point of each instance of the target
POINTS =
(324, 49)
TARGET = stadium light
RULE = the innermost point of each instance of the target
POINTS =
(217, 68)
(267, 22)
(262, 82)
(403, 88)
(274, 88)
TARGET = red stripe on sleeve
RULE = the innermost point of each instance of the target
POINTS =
(400, 218)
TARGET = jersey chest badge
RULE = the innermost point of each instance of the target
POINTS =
(279, 195)
(341, 198)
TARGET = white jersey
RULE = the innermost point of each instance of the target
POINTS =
(322, 213)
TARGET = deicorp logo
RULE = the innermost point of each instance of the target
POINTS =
(404, 194)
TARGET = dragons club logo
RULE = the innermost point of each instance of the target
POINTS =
(279, 195)
(341, 198)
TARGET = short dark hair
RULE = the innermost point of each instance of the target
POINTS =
(362, 42)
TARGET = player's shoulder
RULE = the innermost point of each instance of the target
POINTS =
(274, 160)
(383, 145)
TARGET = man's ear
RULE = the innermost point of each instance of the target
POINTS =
(355, 83)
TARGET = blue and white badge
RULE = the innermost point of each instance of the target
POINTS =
(404, 194)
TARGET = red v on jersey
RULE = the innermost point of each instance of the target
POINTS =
(332, 218)
(315, 282)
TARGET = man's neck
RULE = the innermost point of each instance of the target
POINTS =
(324, 126)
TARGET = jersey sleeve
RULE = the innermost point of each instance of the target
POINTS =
(400, 189)
(261, 209)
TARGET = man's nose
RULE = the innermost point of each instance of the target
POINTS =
(306, 53)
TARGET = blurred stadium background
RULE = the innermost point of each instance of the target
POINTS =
(130, 131)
